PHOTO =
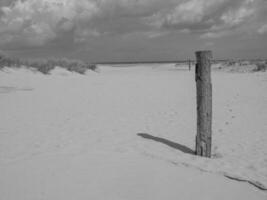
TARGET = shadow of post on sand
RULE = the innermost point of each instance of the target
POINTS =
(169, 143)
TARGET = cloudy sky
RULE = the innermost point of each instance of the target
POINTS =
(133, 30)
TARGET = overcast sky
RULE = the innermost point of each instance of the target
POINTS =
(131, 30)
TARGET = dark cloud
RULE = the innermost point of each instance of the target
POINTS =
(71, 24)
(6, 2)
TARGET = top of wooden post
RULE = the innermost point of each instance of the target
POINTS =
(206, 53)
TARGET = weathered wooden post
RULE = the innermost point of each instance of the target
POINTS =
(204, 103)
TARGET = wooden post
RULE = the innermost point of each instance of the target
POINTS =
(204, 103)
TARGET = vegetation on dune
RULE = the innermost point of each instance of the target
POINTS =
(46, 65)
(261, 67)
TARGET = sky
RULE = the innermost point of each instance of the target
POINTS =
(133, 30)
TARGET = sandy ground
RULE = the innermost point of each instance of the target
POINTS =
(128, 133)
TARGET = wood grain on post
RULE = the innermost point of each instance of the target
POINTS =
(204, 103)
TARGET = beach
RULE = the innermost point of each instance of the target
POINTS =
(129, 133)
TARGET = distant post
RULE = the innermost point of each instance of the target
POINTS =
(189, 64)
(204, 103)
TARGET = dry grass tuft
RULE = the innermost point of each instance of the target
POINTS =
(261, 67)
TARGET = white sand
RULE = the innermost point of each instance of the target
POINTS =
(71, 136)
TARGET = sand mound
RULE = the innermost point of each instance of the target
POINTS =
(59, 71)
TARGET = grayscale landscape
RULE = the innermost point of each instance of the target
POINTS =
(98, 99)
